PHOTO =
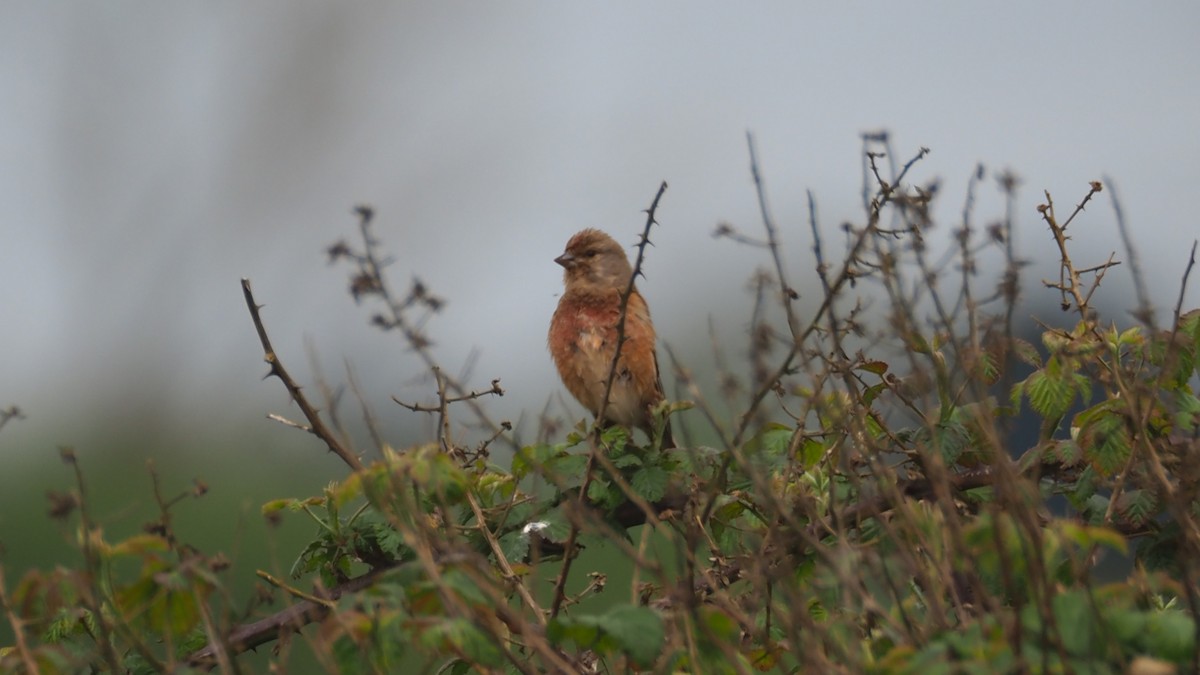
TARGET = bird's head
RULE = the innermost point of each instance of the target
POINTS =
(594, 261)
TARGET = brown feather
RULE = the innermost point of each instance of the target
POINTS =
(583, 333)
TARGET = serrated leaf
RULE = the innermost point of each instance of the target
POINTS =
(1017, 393)
(348, 490)
(1065, 452)
(1105, 441)
(983, 365)
(650, 483)
(1137, 506)
(1050, 392)
(515, 546)
(950, 438)
(1186, 419)
(568, 469)
(1132, 336)
(771, 442)
(1026, 352)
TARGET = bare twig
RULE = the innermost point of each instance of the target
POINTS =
(788, 293)
(370, 280)
(317, 426)
(1145, 309)
(10, 413)
(18, 628)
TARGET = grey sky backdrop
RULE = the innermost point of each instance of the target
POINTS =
(154, 153)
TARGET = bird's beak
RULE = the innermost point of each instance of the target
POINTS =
(566, 260)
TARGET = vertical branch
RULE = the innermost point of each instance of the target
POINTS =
(789, 294)
(637, 271)
(1145, 310)
(569, 551)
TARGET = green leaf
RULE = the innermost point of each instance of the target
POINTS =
(811, 452)
(465, 587)
(495, 487)
(719, 625)
(1137, 507)
(347, 656)
(556, 526)
(615, 438)
(1104, 439)
(1126, 626)
(950, 438)
(1187, 413)
(626, 460)
(1160, 551)
(1050, 390)
(515, 545)
(1171, 635)
(569, 469)
(986, 367)
(770, 443)
(1076, 618)
(462, 636)
(1085, 537)
(650, 483)
(917, 343)
(1065, 452)
(527, 459)
(440, 476)
(582, 630)
(638, 630)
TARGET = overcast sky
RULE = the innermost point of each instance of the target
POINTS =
(155, 153)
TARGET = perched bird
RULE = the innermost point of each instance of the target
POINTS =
(583, 334)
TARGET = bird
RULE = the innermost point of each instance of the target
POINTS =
(583, 335)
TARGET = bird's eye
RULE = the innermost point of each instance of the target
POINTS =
(590, 253)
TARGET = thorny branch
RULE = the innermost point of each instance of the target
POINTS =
(569, 555)
(316, 426)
